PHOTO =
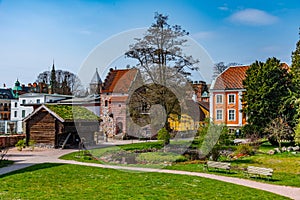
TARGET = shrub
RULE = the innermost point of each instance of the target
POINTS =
(297, 134)
(164, 135)
(244, 149)
(20, 144)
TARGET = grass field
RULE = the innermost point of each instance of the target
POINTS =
(58, 181)
(286, 165)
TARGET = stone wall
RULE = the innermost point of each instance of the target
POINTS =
(11, 140)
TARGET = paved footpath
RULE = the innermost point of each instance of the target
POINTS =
(28, 158)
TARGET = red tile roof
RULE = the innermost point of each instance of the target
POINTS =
(119, 80)
(231, 78)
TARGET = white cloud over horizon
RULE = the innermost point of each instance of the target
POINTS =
(253, 17)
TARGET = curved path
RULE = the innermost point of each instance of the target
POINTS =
(27, 158)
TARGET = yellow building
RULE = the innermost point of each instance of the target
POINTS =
(185, 122)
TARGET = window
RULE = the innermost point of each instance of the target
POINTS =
(219, 98)
(16, 104)
(38, 101)
(106, 103)
(219, 115)
(231, 115)
(23, 101)
(231, 98)
(16, 114)
(120, 105)
(23, 113)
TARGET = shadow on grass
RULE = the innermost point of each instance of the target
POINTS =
(217, 171)
(4, 163)
(263, 178)
(32, 168)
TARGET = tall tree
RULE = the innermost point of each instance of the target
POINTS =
(267, 88)
(162, 62)
(295, 68)
(295, 96)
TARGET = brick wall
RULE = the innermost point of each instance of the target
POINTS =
(10, 141)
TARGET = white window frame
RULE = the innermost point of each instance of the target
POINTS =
(229, 98)
(234, 115)
(220, 110)
(221, 96)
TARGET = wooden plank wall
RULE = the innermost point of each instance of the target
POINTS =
(42, 128)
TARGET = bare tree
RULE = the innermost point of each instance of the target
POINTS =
(63, 79)
(221, 66)
(163, 65)
(279, 129)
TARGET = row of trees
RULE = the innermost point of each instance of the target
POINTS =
(61, 82)
(272, 98)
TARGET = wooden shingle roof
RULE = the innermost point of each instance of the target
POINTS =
(231, 78)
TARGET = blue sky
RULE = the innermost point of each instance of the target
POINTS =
(34, 32)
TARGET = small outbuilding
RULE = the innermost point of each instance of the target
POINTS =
(61, 126)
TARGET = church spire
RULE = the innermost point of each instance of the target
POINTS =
(53, 82)
(96, 83)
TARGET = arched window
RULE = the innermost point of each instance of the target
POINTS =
(119, 127)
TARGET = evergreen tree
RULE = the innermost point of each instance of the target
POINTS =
(295, 69)
(295, 97)
(267, 88)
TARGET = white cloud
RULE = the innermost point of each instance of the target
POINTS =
(253, 17)
(223, 8)
(85, 32)
(203, 35)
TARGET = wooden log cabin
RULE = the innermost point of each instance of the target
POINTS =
(61, 126)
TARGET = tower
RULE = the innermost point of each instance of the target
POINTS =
(96, 84)
(53, 83)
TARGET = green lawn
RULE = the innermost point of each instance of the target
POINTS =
(58, 181)
(286, 165)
